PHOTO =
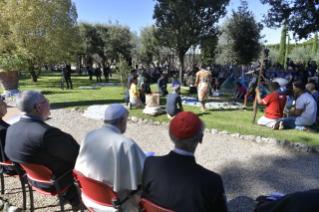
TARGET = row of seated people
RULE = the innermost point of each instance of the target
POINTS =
(301, 117)
(174, 181)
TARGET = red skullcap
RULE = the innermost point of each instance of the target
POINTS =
(185, 125)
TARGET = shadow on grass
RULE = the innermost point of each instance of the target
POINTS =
(83, 103)
(58, 92)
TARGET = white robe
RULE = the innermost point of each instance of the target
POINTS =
(109, 157)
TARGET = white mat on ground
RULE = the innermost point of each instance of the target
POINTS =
(95, 112)
(153, 111)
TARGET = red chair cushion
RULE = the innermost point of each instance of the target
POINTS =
(50, 193)
(148, 206)
(37, 173)
(6, 163)
(94, 190)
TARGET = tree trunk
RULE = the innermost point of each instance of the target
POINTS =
(33, 75)
(181, 60)
(31, 71)
(80, 65)
(39, 72)
(46, 67)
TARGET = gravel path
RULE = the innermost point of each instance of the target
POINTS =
(248, 169)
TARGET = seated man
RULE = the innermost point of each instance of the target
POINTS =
(315, 95)
(162, 85)
(304, 115)
(240, 91)
(109, 157)
(30, 140)
(275, 105)
(175, 81)
(175, 181)
(3, 132)
(173, 99)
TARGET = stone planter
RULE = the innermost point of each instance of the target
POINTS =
(9, 81)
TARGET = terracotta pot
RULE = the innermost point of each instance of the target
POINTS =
(9, 80)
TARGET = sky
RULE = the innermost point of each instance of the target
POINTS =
(139, 13)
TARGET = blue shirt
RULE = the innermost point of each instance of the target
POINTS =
(174, 83)
(161, 84)
(316, 97)
(33, 117)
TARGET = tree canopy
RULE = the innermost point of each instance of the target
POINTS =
(184, 23)
(302, 16)
(245, 33)
(43, 30)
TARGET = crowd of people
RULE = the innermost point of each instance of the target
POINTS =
(106, 155)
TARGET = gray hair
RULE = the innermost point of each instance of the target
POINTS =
(310, 86)
(190, 142)
(26, 100)
(117, 121)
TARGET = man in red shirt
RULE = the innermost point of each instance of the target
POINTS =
(275, 104)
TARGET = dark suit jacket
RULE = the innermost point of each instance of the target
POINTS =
(33, 141)
(3, 131)
(176, 182)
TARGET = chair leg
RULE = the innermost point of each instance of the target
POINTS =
(31, 198)
(24, 194)
(60, 195)
(23, 180)
(2, 184)
(79, 193)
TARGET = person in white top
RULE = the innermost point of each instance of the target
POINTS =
(109, 157)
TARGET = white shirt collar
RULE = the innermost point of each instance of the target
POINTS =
(182, 152)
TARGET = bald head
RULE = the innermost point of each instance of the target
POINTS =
(310, 87)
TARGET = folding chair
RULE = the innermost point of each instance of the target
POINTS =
(42, 174)
(6, 162)
(148, 206)
(99, 192)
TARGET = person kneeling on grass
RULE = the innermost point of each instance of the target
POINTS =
(240, 91)
(172, 100)
(304, 115)
(135, 94)
(275, 105)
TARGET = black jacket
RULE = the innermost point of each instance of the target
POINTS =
(178, 183)
(3, 131)
(33, 141)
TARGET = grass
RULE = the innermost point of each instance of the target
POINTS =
(230, 120)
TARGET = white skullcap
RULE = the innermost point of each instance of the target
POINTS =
(114, 111)
(175, 88)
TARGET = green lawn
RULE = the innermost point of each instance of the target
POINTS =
(230, 120)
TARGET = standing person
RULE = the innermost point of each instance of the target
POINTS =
(67, 75)
(203, 79)
(31, 140)
(106, 155)
(98, 74)
(127, 96)
(173, 99)
(135, 99)
(146, 86)
(175, 181)
(251, 89)
(90, 71)
(162, 85)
